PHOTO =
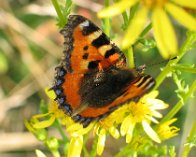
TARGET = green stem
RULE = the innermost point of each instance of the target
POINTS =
(106, 20)
(130, 53)
(94, 147)
(188, 146)
(184, 68)
(85, 139)
(180, 104)
(130, 56)
(62, 132)
(132, 12)
(59, 13)
(127, 21)
(124, 151)
(146, 30)
(185, 47)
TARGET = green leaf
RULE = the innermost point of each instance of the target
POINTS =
(52, 143)
(183, 88)
(62, 12)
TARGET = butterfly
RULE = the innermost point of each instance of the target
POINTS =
(93, 78)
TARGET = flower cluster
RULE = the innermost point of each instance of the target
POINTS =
(130, 120)
(159, 9)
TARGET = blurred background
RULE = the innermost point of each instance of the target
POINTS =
(31, 47)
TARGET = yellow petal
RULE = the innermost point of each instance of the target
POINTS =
(67, 121)
(157, 114)
(181, 16)
(45, 123)
(157, 104)
(130, 133)
(186, 3)
(166, 131)
(83, 131)
(42, 115)
(125, 125)
(135, 154)
(29, 126)
(169, 122)
(114, 132)
(151, 119)
(150, 132)
(96, 129)
(75, 146)
(135, 28)
(116, 9)
(153, 94)
(164, 33)
(101, 141)
(74, 127)
(50, 93)
(39, 153)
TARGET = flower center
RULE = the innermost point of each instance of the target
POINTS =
(139, 111)
(154, 3)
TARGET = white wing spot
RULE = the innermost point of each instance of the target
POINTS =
(84, 24)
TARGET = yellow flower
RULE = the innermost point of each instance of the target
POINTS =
(163, 30)
(128, 115)
(165, 131)
(76, 130)
(143, 112)
(49, 117)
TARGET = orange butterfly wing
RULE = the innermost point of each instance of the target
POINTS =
(87, 50)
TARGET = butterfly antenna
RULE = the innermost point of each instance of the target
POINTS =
(160, 62)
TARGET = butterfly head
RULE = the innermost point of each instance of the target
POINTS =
(140, 70)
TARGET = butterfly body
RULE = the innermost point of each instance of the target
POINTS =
(93, 78)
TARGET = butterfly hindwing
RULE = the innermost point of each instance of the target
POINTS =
(135, 89)
(133, 92)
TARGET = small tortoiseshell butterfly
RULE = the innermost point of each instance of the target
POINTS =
(93, 78)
